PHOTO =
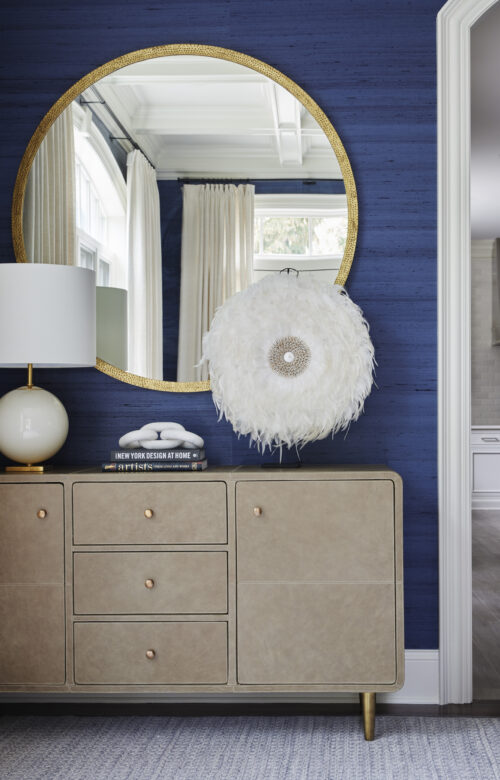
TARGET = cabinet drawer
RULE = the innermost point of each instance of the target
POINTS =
(180, 513)
(486, 472)
(485, 437)
(336, 530)
(32, 547)
(299, 633)
(32, 649)
(150, 583)
(182, 653)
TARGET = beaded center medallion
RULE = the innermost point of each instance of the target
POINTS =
(289, 356)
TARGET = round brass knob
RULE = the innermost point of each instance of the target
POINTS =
(150, 654)
(257, 510)
(148, 513)
(149, 584)
(41, 513)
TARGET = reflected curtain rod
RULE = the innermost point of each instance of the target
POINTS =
(230, 180)
(126, 134)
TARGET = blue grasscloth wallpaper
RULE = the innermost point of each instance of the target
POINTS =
(371, 67)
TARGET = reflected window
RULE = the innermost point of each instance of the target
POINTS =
(100, 205)
(305, 231)
(89, 258)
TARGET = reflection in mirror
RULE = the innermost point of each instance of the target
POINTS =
(181, 180)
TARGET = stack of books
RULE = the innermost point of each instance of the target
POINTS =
(156, 460)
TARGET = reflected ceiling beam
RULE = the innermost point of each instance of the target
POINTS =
(217, 120)
(285, 110)
(241, 167)
(239, 150)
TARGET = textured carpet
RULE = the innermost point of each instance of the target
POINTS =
(247, 748)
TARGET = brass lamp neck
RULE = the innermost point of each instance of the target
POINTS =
(30, 375)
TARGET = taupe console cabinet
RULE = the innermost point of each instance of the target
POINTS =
(241, 580)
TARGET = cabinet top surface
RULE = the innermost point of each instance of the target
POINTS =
(234, 473)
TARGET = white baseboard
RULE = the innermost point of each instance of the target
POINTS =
(421, 680)
(486, 501)
(421, 687)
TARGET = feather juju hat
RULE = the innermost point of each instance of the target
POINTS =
(291, 360)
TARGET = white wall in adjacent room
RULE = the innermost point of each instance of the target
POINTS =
(485, 377)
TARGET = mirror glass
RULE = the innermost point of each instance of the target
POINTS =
(181, 180)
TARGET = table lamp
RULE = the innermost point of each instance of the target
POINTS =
(47, 319)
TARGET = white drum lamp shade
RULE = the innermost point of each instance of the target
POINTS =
(47, 315)
(47, 319)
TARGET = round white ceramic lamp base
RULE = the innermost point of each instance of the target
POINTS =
(33, 425)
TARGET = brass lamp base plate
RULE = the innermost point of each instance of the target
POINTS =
(31, 469)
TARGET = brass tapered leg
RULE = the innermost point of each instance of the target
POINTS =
(368, 703)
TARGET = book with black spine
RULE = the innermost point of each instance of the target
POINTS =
(139, 455)
(144, 466)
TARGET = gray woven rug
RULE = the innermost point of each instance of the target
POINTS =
(247, 748)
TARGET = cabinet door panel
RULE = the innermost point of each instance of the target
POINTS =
(315, 531)
(32, 548)
(32, 626)
(298, 633)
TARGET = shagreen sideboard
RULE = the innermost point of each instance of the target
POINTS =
(241, 580)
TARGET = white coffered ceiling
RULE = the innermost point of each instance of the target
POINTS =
(204, 117)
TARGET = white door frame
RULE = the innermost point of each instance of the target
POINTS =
(455, 548)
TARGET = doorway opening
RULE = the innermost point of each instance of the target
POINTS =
(454, 24)
(485, 351)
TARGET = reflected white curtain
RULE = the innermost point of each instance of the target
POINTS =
(49, 217)
(145, 320)
(217, 259)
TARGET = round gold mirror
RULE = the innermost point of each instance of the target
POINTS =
(181, 174)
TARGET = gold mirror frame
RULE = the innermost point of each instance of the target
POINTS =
(168, 51)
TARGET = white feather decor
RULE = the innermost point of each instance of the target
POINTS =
(290, 359)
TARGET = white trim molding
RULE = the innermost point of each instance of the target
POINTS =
(455, 557)
(490, 501)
